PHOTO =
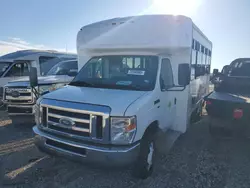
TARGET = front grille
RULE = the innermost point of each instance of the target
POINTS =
(69, 131)
(18, 95)
(18, 101)
(72, 122)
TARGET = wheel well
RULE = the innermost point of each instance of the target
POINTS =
(152, 128)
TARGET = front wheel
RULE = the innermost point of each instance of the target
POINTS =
(145, 162)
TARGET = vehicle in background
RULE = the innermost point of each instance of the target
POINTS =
(16, 65)
(228, 106)
(20, 99)
(135, 81)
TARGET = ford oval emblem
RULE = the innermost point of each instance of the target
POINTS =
(15, 94)
(66, 122)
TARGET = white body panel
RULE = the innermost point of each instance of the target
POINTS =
(136, 34)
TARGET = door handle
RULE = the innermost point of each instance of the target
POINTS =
(156, 101)
(175, 100)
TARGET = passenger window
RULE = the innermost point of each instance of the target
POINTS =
(25, 69)
(138, 63)
(166, 76)
(45, 64)
(19, 69)
(127, 62)
(98, 70)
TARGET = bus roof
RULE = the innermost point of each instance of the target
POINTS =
(22, 53)
(155, 32)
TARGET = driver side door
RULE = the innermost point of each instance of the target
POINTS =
(167, 98)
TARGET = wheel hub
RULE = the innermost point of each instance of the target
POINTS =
(150, 155)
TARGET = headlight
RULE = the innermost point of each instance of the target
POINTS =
(52, 87)
(123, 130)
(38, 112)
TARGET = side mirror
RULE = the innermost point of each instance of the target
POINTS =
(33, 77)
(215, 72)
(184, 74)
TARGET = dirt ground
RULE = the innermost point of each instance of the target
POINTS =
(195, 161)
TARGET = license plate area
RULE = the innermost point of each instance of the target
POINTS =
(66, 147)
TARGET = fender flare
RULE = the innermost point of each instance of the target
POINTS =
(152, 128)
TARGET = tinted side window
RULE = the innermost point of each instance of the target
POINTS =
(166, 76)
(67, 67)
(45, 64)
(19, 69)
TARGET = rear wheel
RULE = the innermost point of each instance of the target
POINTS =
(145, 162)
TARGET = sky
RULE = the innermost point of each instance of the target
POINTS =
(53, 24)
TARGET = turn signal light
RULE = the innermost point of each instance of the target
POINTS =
(208, 102)
(238, 113)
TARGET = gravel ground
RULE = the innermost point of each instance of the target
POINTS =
(195, 161)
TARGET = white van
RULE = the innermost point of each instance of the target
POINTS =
(19, 97)
(136, 82)
(16, 65)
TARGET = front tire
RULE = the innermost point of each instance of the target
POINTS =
(145, 162)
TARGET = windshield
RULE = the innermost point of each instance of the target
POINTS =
(47, 63)
(119, 72)
(63, 68)
(241, 69)
(3, 67)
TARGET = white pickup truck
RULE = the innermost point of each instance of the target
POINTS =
(135, 81)
(20, 99)
(16, 65)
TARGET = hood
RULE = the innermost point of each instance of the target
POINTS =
(117, 100)
(43, 80)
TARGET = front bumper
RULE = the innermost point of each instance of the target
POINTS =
(23, 114)
(16, 110)
(109, 156)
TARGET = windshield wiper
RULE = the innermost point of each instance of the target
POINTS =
(81, 83)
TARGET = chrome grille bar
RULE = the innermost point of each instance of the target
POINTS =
(18, 98)
(25, 95)
(74, 119)
(73, 128)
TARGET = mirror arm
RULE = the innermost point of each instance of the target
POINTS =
(36, 93)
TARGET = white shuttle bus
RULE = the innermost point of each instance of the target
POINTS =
(140, 75)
